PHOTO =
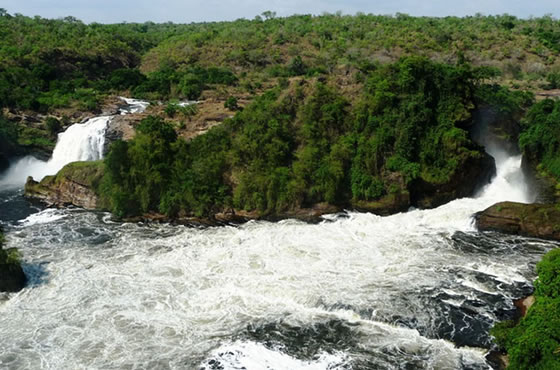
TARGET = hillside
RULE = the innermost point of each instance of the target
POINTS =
(47, 64)
(64, 68)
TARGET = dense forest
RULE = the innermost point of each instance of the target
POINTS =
(305, 143)
(46, 64)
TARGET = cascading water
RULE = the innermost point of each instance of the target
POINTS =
(357, 291)
(133, 106)
(80, 142)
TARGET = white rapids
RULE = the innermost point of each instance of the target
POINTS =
(414, 290)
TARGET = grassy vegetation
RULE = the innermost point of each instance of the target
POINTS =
(88, 174)
(12, 278)
(9, 256)
(534, 342)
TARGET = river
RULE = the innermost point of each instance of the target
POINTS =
(416, 290)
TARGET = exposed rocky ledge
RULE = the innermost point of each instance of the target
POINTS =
(74, 185)
(536, 220)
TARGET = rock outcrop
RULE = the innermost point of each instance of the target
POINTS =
(12, 278)
(121, 127)
(536, 220)
(387, 205)
(473, 174)
(75, 184)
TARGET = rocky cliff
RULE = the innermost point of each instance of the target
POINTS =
(475, 172)
(75, 184)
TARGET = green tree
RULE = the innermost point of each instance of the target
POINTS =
(53, 126)
(231, 103)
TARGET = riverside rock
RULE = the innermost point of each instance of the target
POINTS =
(12, 278)
(535, 220)
(74, 185)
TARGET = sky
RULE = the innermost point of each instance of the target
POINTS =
(186, 11)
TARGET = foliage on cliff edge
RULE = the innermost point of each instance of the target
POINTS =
(304, 144)
(534, 343)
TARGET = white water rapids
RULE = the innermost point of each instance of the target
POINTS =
(416, 290)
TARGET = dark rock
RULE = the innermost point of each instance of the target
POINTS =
(387, 205)
(473, 174)
(543, 187)
(494, 129)
(536, 220)
(12, 278)
(523, 305)
(497, 360)
(312, 214)
(121, 127)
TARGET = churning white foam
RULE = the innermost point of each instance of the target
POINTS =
(109, 295)
(43, 217)
(255, 356)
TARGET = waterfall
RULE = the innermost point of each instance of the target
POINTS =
(80, 142)
(133, 106)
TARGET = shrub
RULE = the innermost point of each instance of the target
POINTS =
(171, 109)
(553, 79)
(231, 103)
(297, 67)
(53, 126)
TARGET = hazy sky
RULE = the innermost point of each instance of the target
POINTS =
(185, 11)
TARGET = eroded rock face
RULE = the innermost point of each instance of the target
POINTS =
(74, 185)
(536, 220)
(543, 186)
(496, 130)
(121, 127)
